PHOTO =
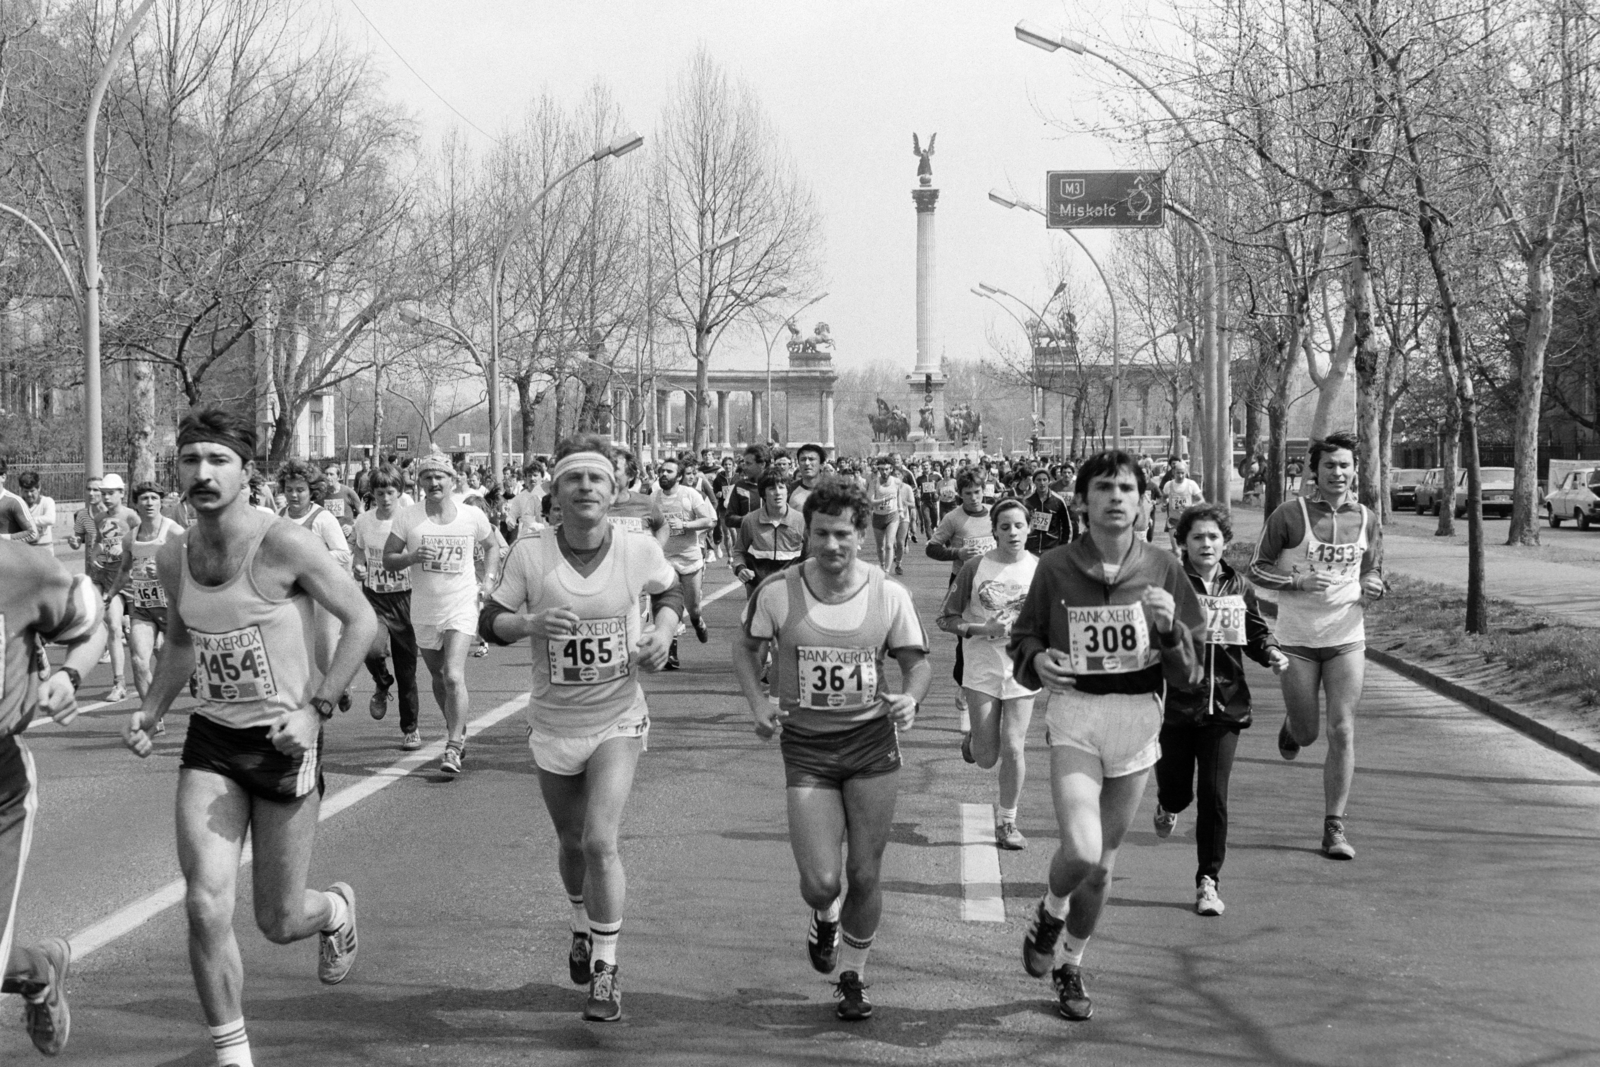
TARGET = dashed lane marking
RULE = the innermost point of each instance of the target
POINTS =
(982, 899)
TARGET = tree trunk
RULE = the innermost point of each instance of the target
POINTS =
(1524, 529)
(1332, 384)
(1369, 401)
(700, 425)
(142, 424)
(377, 413)
(1451, 451)
(1277, 452)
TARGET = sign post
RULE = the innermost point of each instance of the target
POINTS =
(1104, 199)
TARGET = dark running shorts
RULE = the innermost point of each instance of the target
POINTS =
(248, 758)
(827, 761)
(1323, 655)
(392, 609)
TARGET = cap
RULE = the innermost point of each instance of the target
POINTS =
(112, 481)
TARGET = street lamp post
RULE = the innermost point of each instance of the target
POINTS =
(1111, 294)
(1214, 369)
(772, 343)
(993, 292)
(620, 147)
(93, 441)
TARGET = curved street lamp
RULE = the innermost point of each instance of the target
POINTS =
(771, 343)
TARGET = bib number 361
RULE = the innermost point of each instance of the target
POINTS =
(838, 679)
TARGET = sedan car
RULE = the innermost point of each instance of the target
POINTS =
(1425, 495)
(1403, 487)
(1575, 498)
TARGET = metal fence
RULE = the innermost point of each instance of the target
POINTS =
(64, 481)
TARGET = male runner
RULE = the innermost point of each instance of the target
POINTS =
(679, 514)
(1107, 623)
(240, 589)
(41, 508)
(1179, 493)
(831, 620)
(389, 593)
(436, 540)
(575, 590)
(1051, 523)
(1323, 554)
(631, 508)
(137, 580)
(339, 500)
(16, 521)
(102, 564)
(525, 512)
(771, 537)
(808, 461)
(887, 518)
(743, 496)
(964, 533)
(39, 601)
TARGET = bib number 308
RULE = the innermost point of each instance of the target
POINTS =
(1114, 639)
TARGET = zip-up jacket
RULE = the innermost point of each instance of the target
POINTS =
(1074, 576)
(1224, 695)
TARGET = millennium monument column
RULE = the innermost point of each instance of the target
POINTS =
(927, 380)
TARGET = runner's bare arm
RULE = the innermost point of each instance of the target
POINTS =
(175, 661)
(747, 669)
(916, 674)
(70, 614)
(491, 562)
(302, 560)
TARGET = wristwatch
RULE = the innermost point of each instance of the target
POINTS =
(72, 676)
(324, 707)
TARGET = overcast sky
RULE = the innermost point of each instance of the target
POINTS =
(845, 83)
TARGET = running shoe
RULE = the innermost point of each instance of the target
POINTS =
(337, 952)
(898, 569)
(344, 701)
(119, 693)
(1165, 820)
(1206, 901)
(480, 648)
(159, 728)
(1288, 747)
(1039, 944)
(1008, 837)
(378, 706)
(966, 748)
(605, 994)
(672, 657)
(454, 754)
(700, 630)
(822, 944)
(851, 993)
(411, 741)
(1072, 1002)
(1334, 845)
(46, 1015)
(578, 959)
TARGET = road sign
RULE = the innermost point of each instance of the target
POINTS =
(402, 442)
(1103, 199)
(463, 440)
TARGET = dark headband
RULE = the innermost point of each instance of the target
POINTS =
(242, 444)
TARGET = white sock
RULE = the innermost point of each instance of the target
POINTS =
(1071, 950)
(1055, 905)
(580, 915)
(341, 912)
(853, 954)
(603, 942)
(1004, 815)
(232, 1044)
(831, 913)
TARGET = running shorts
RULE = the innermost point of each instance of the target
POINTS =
(827, 761)
(885, 520)
(432, 637)
(102, 577)
(156, 617)
(1323, 655)
(568, 756)
(1122, 729)
(249, 759)
(18, 804)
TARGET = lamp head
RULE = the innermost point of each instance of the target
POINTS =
(1030, 33)
(409, 317)
(620, 147)
(987, 287)
(996, 196)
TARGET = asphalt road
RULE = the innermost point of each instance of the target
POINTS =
(1464, 932)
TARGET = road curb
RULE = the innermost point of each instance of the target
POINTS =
(1521, 721)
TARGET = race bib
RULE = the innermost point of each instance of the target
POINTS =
(597, 652)
(234, 666)
(1109, 640)
(1339, 560)
(884, 505)
(1224, 620)
(838, 679)
(454, 553)
(628, 524)
(334, 506)
(980, 544)
(1041, 521)
(145, 585)
(380, 580)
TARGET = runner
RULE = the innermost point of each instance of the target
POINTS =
(39, 602)
(1178, 494)
(389, 593)
(963, 534)
(742, 495)
(1051, 522)
(979, 609)
(679, 515)
(303, 486)
(808, 461)
(631, 507)
(240, 588)
(1107, 622)
(525, 512)
(771, 537)
(575, 590)
(41, 508)
(339, 500)
(102, 564)
(831, 620)
(16, 519)
(435, 539)
(1200, 728)
(1324, 571)
(886, 515)
(137, 581)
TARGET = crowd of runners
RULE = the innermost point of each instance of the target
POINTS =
(263, 602)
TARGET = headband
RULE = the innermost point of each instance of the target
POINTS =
(435, 463)
(243, 447)
(593, 462)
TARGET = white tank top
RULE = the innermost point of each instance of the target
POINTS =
(254, 655)
(144, 587)
(1334, 616)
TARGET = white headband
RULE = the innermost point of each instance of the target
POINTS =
(585, 461)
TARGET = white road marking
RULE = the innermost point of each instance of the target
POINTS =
(982, 900)
(143, 910)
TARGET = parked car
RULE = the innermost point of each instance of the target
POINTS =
(1425, 495)
(1403, 487)
(1576, 498)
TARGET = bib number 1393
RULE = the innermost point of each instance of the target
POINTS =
(1108, 640)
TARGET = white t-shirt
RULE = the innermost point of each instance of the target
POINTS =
(370, 535)
(523, 513)
(444, 590)
(44, 520)
(684, 503)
